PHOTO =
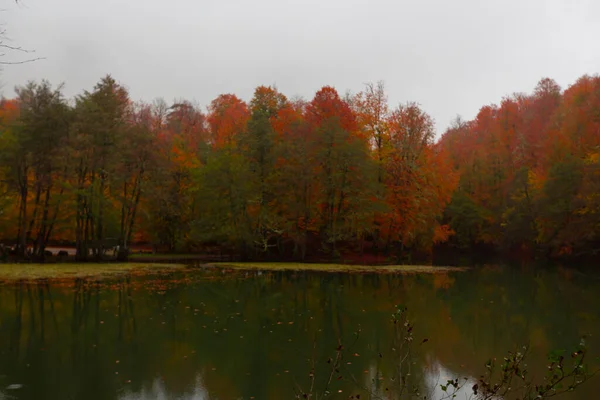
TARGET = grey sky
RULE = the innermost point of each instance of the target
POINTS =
(451, 56)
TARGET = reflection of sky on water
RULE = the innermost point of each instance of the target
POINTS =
(434, 375)
(437, 374)
(159, 392)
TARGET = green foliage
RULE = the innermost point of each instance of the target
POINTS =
(466, 218)
(518, 219)
(226, 188)
(557, 204)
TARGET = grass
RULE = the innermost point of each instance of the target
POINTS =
(28, 272)
(164, 256)
(32, 272)
(335, 267)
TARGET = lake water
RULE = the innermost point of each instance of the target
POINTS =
(251, 335)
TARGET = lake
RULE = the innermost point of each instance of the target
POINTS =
(214, 334)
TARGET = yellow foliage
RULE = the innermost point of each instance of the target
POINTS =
(535, 180)
(592, 158)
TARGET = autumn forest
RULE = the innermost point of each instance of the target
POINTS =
(333, 177)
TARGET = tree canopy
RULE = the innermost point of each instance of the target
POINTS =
(331, 177)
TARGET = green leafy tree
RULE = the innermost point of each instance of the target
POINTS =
(97, 142)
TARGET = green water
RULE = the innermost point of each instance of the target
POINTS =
(238, 335)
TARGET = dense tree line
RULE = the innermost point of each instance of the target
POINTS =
(530, 172)
(289, 178)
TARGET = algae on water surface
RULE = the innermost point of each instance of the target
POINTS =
(336, 267)
(16, 272)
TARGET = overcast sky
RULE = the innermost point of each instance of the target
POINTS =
(451, 56)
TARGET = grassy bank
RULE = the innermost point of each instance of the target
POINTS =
(335, 267)
(60, 271)
(15, 272)
(178, 258)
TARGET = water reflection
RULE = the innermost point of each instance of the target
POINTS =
(205, 334)
(157, 390)
(437, 375)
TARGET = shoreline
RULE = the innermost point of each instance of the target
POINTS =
(15, 272)
(71, 271)
(349, 268)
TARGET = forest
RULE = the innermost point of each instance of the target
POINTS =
(334, 177)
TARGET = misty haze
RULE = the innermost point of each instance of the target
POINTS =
(313, 200)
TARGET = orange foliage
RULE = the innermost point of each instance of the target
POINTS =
(326, 106)
(228, 116)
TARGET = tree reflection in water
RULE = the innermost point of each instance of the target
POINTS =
(208, 334)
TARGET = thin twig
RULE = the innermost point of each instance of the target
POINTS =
(6, 46)
(21, 62)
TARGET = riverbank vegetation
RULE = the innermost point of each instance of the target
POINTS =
(278, 178)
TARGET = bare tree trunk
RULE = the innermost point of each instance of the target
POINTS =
(22, 245)
(136, 202)
(124, 210)
(38, 193)
(40, 241)
(100, 219)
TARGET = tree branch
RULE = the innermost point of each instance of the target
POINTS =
(6, 46)
(21, 62)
